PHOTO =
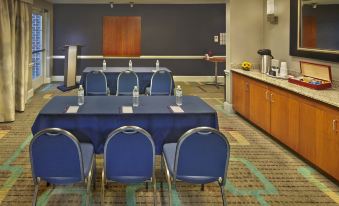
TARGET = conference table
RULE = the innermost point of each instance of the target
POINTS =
(144, 75)
(102, 114)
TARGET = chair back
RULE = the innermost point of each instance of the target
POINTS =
(161, 83)
(56, 157)
(126, 82)
(202, 152)
(129, 155)
(96, 84)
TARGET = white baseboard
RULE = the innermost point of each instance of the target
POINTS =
(228, 108)
(47, 80)
(196, 78)
(61, 78)
(30, 94)
(176, 78)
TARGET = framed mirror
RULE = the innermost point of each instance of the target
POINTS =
(314, 31)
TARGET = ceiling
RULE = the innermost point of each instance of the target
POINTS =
(138, 1)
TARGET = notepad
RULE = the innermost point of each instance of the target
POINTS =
(126, 109)
(176, 109)
(72, 109)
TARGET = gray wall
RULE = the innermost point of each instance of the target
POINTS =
(166, 30)
(277, 38)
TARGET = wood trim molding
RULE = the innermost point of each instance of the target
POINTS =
(188, 57)
(176, 78)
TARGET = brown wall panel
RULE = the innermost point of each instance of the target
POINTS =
(121, 36)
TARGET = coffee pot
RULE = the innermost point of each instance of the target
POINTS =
(266, 58)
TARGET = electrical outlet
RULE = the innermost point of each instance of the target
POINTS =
(216, 39)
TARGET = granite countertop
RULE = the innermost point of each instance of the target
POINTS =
(328, 96)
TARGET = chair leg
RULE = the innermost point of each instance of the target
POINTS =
(35, 194)
(94, 172)
(168, 177)
(169, 190)
(103, 187)
(161, 170)
(154, 190)
(224, 203)
(88, 189)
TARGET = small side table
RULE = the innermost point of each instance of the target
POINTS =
(216, 60)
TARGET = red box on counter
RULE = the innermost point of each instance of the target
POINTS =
(314, 76)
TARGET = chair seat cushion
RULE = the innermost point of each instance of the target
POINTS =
(169, 154)
(96, 93)
(125, 94)
(87, 151)
(128, 179)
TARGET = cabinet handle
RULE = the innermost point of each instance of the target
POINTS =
(247, 87)
(266, 93)
(272, 98)
(334, 126)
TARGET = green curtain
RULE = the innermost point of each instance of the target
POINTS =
(15, 51)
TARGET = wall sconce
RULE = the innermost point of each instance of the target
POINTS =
(131, 4)
(111, 4)
(271, 17)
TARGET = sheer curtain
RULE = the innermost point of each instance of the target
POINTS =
(15, 51)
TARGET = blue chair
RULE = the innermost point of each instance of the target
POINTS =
(161, 84)
(129, 157)
(126, 82)
(96, 84)
(58, 158)
(201, 156)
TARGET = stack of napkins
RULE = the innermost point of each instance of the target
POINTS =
(127, 110)
(72, 109)
(176, 109)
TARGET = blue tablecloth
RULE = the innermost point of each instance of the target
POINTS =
(112, 73)
(102, 114)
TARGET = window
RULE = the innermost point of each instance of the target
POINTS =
(37, 45)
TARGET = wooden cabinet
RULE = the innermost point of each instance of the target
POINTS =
(327, 143)
(307, 126)
(284, 117)
(310, 129)
(260, 105)
(240, 92)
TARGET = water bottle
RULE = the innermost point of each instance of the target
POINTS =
(81, 97)
(157, 65)
(130, 65)
(104, 65)
(178, 96)
(135, 96)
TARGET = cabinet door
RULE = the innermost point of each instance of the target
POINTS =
(284, 117)
(240, 88)
(260, 105)
(311, 120)
(327, 146)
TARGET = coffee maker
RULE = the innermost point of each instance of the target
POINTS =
(266, 58)
(275, 70)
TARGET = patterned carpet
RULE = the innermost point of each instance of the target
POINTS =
(261, 171)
